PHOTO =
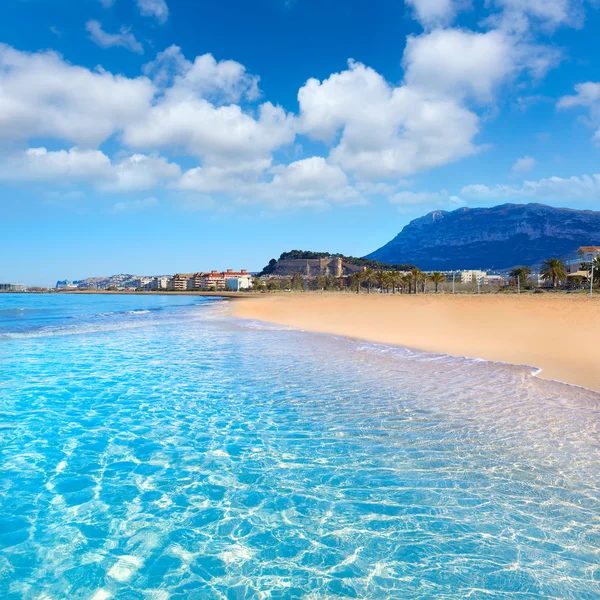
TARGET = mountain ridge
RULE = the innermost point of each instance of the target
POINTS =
(498, 237)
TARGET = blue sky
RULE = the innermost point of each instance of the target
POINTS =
(156, 136)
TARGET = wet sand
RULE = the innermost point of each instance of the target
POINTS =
(557, 333)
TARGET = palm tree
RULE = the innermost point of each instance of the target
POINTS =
(417, 275)
(357, 279)
(369, 276)
(381, 279)
(553, 270)
(436, 278)
(521, 274)
(395, 280)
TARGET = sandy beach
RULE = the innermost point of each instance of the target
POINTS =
(557, 333)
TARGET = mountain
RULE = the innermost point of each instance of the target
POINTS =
(492, 238)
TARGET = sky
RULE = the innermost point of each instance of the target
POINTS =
(163, 136)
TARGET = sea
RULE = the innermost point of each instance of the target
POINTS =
(156, 447)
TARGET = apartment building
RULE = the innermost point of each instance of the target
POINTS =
(183, 281)
(585, 255)
(164, 282)
(473, 276)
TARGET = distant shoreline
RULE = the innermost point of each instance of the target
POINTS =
(144, 293)
(557, 333)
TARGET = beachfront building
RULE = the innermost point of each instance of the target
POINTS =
(241, 282)
(216, 280)
(12, 287)
(141, 282)
(578, 267)
(66, 285)
(183, 281)
(163, 282)
(473, 276)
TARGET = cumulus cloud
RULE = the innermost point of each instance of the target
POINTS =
(154, 8)
(587, 96)
(468, 63)
(308, 182)
(222, 82)
(39, 164)
(583, 189)
(435, 13)
(123, 39)
(521, 15)
(65, 167)
(523, 165)
(140, 172)
(42, 95)
(386, 131)
(197, 112)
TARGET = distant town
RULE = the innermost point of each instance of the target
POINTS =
(305, 270)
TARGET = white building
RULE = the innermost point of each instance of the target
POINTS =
(164, 282)
(473, 276)
(241, 282)
(12, 287)
(580, 266)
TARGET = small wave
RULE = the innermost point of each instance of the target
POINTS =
(74, 330)
(19, 312)
(262, 326)
(140, 311)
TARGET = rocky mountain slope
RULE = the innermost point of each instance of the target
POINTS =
(492, 238)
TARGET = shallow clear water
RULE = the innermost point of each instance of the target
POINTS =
(155, 447)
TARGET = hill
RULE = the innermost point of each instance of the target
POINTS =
(492, 238)
(312, 264)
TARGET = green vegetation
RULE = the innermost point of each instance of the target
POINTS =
(553, 270)
(521, 275)
(436, 278)
(308, 255)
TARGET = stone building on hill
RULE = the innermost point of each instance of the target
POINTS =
(316, 267)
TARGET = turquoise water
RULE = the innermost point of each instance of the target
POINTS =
(157, 448)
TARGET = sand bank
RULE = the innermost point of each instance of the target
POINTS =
(557, 333)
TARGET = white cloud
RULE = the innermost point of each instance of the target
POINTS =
(523, 165)
(140, 172)
(197, 112)
(221, 82)
(39, 164)
(107, 3)
(467, 63)
(41, 95)
(154, 8)
(585, 189)
(521, 15)
(587, 96)
(435, 13)
(308, 182)
(132, 174)
(123, 39)
(134, 206)
(386, 131)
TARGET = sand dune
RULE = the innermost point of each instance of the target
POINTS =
(558, 333)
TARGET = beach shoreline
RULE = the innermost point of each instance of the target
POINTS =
(557, 335)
